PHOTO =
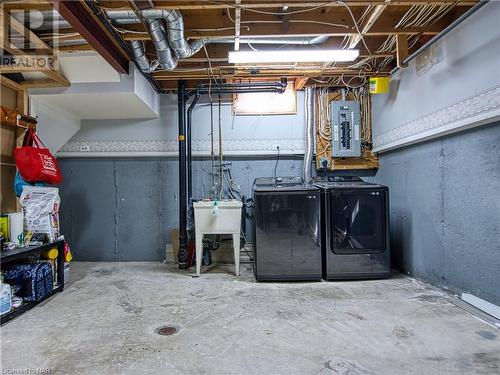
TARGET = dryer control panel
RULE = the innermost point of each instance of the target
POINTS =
(346, 129)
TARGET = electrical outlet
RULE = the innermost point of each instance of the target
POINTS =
(324, 163)
(85, 148)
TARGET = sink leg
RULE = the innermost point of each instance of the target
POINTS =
(236, 247)
(199, 252)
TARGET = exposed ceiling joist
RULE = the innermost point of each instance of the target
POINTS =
(23, 61)
(238, 20)
(40, 5)
(76, 48)
(272, 32)
(372, 18)
(237, 26)
(231, 73)
(402, 50)
(306, 24)
(204, 5)
(57, 78)
(6, 69)
(7, 82)
(219, 52)
(41, 84)
(141, 4)
(299, 83)
(34, 41)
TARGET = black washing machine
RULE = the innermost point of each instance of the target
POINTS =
(287, 230)
(355, 228)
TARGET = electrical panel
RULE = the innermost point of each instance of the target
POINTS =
(346, 129)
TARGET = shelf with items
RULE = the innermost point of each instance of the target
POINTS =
(23, 253)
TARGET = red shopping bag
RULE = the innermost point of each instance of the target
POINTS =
(35, 163)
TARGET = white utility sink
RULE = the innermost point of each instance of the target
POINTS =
(217, 217)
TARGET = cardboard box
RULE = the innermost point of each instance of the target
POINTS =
(174, 239)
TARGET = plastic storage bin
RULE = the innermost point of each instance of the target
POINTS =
(6, 299)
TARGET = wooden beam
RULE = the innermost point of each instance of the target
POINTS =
(374, 16)
(141, 4)
(273, 32)
(14, 24)
(300, 83)
(10, 83)
(401, 50)
(22, 102)
(313, 23)
(204, 74)
(54, 75)
(237, 25)
(219, 52)
(339, 23)
(21, 68)
(27, 66)
(225, 60)
(62, 36)
(4, 41)
(76, 48)
(41, 84)
(4, 29)
(92, 30)
(10, 48)
(27, 5)
(205, 5)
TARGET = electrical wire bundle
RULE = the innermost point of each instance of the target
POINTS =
(362, 94)
(349, 39)
(420, 15)
(323, 120)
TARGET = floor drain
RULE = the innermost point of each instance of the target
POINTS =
(166, 330)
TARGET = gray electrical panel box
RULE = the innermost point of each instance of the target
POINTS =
(346, 129)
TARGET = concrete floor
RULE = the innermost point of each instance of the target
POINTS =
(104, 323)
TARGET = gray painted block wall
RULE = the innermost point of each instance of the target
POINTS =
(445, 206)
(120, 209)
(445, 210)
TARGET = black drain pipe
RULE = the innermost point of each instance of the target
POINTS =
(185, 163)
(189, 150)
(183, 239)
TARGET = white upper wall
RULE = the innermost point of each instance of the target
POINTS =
(104, 95)
(130, 97)
(460, 91)
(55, 125)
(242, 135)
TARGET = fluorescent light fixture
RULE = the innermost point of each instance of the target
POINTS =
(245, 57)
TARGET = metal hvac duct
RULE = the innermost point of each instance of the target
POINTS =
(309, 133)
(159, 38)
(175, 28)
(141, 58)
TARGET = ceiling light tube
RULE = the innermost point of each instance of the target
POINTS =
(280, 56)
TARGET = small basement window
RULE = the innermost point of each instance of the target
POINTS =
(266, 103)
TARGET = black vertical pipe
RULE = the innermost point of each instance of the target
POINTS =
(183, 239)
(189, 147)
